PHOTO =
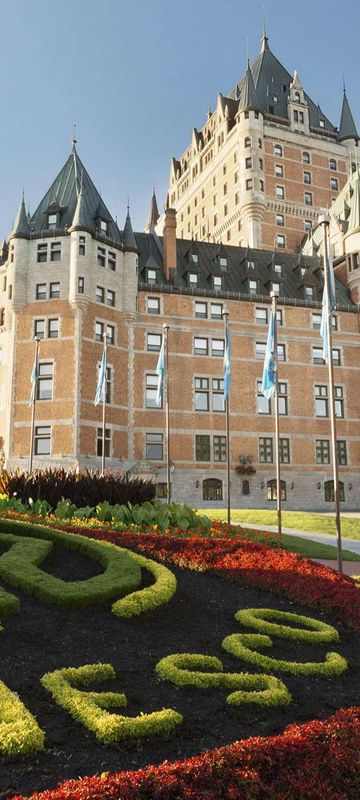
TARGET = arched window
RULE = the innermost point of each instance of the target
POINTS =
(245, 487)
(330, 494)
(247, 141)
(297, 96)
(332, 164)
(212, 489)
(272, 490)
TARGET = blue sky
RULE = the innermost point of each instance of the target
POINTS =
(138, 75)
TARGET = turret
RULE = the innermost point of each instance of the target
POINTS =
(250, 129)
(130, 273)
(153, 215)
(19, 241)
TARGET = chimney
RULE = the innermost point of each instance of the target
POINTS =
(169, 241)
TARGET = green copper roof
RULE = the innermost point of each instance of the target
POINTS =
(62, 199)
(347, 124)
(21, 224)
(248, 96)
(82, 217)
(272, 82)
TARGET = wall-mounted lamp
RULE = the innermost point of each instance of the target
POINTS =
(262, 484)
(292, 485)
(197, 484)
(350, 486)
(319, 485)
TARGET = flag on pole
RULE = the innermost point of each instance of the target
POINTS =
(101, 384)
(160, 371)
(33, 379)
(269, 375)
(227, 364)
(328, 307)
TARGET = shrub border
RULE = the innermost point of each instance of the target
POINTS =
(262, 768)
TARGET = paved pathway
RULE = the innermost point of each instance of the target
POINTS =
(348, 544)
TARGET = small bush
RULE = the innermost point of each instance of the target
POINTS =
(246, 645)
(83, 489)
(19, 731)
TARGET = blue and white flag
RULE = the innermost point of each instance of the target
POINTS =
(160, 371)
(101, 384)
(269, 373)
(227, 365)
(328, 308)
(33, 379)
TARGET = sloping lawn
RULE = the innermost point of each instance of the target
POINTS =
(299, 520)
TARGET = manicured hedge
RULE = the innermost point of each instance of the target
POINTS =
(245, 646)
(19, 731)
(84, 489)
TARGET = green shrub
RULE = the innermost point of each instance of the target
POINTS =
(83, 489)
(246, 645)
(152, 596)
(258, 618)
(89, 708)
(19, 731)
(65, 509)
(206, 672)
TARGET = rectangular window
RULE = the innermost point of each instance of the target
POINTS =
(284, 451)
(309, 293)
(111, 261)
(81, 285)
(248, 183)
(306, 157)
(55, 252)
(336, 357)
(108, 385)
(316, 321)
(322, 451)
(151, 276)
(307, 177)
(200, 346)
(103, 226)
(265, 450)
(341, 452)
(42, 440)
(201, 394)
(248, 162)
(81, 245)
(201, 310)
(261, 316)
(154, 447)
(280, 192)
(41, 253)
(278, 268)
(252, 288)
(216, 310)
(217, 282)
(317, 355)
(45, 381)
(263, 406)
(219, 445)
(321, 401)
(278, 151)
(217, 347)
(334, 185)
(283, 399)
(280, 220)
(279, 170)
(41, 291)
(151, 391)
(101, 252)
(54, 290)
(99, 442)
(99, 331)
(280, 241)
(307, 225)
(153, 305)
(281, 352)
(53, 328)
(110, 297)
(202, 447)
(339, 402)
(39, 328)
(52, 221)
(308, 198)
(218, 402)
(193, 279)
(153, 342)
(110, 334)
(100, 294)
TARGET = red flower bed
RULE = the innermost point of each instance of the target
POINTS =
(312, 761)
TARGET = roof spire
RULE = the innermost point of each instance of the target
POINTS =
(248, 97)
(153, 215)
(264, 38)
(347, 128)
(21, 226)
(74, 139)
(129, 241)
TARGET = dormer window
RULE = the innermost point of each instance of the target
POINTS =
(103, 226)
(217, 282)
(321, 123)
(52, 221)
(278, 268)
(193, 279)
(252, 288)
(309, 292)
(297, 97)
(223, 262)
(195, 258)
(302, 271)
(275, 287)
(151, 275)
(251, 264)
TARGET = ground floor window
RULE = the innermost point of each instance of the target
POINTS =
(272, 490)
(99, 442)
(212, 489)
(330, 494)
(154, 446)
(161, 490)
(42, 440)
(246, 487)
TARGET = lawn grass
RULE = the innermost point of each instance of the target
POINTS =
(299, 520)
(305, 547)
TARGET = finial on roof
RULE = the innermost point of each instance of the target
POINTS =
(264, 38)
(74, 139)
(21, 225)
(153, 215)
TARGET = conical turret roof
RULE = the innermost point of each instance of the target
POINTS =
(82, 217)
(21, 225)
(62, 198)
(347, 125)
(248, 97)
(128, 238)
(153, 215)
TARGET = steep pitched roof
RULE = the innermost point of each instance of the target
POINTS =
(82, 217)
(248, 96)
(62, 198)
(153, 215)
(347, 124)
(271, 81)
(129, 241)
(21, 224)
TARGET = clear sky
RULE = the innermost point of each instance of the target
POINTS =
(138, 75)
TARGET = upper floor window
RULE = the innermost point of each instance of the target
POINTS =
(103, 226)
(308, 198)
(307, 177)
(334, 184)
(280, 220)
(193, 279)
(41, 291)
(201, 346)
(39, 328)
(45, 381)
(55, 253)
(54, 290)
(42, 440)
(306, 157)
(261, 316)
(81, 245)
(217, 347)
(153, 342)
(321, 123)
(280, 241)
(52, 221)
(151, 275)
(332, 164)
(53, 328)
(216, 310)
(154, 447)
(280, 192)
(309, 292)
(111, 261)
(41, 253)
(153, 305)
(247, 141)
(217, 282)
(151, 391)
(81, 285)
(252, 287)
(223, 262)
(101, 253)
(278, 151)
(248, 162)
(279, 170)
(263, 405)
(321, 401)
(339, 401)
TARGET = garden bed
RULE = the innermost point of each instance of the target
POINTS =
(196, 620)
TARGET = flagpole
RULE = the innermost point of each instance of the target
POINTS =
(37, 343)
(167, 410)
(104, 408)
(274, 297)
(227, 410)
(324, 220)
